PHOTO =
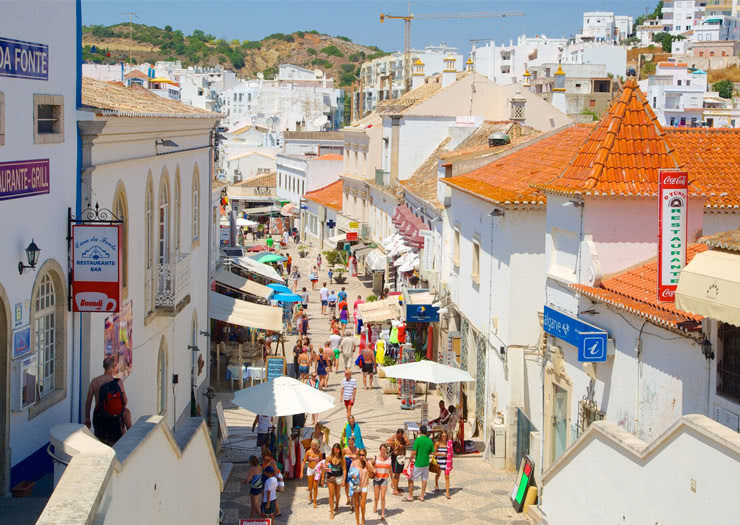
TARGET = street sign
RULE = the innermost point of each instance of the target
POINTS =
(353, 224)
(331, 224)
(351, 236)
(590, 340)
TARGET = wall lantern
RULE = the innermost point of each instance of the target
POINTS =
(706, 349)
(32, 254)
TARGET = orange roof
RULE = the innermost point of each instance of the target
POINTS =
(135, 74)
(673, 64)
(329, 196)
(330, 156)
(636, 290)
(623, 154)
(509, 179)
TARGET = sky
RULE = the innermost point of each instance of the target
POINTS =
(359, 19)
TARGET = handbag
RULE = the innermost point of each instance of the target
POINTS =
(359, 361)
(434, 468)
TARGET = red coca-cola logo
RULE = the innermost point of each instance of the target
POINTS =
(667, 293)
(674, 180)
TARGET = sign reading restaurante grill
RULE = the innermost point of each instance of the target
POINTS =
(673, 198)
(96, 274)
(21, 59)
(23, 178)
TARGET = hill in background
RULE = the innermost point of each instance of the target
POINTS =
(336, 56)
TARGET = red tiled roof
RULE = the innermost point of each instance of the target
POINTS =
(329, 196)
(623, 154)
(330, 156)
(509, 179)
(635, 290)
(135, 74)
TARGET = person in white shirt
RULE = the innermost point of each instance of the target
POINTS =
(324, 294)
(285, 237)
(269, 495)
(349, 391)
(263, 424)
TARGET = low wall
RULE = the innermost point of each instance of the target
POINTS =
(150, 476)
(689, 474)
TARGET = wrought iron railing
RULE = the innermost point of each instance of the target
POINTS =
(173, 282)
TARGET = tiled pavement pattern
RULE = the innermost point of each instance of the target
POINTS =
(479, 493)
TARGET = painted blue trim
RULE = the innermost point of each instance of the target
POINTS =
(78, 202)
(33, 467)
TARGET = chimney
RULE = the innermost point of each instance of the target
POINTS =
(417, 79)
(558, 91)
(449, 74)
(517, 107)
(526, 77)
(469, 64)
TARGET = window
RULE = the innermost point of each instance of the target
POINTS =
(149, 244)
(592, 103)
(2, 118)
(176, 232)
(120, 210)
(679, 81)
(456, 250)
(196, 204)
(48, 119)
(475, 271)
(303, 183)
(728, 362)
(162, 378)
(724, 53)
(711, 53)
(701, 53)
(164, 221)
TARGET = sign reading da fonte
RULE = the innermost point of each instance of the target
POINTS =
(96, 270)
(21, 59)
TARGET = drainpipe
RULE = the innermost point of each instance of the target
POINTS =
(639, 366)
(395, 138)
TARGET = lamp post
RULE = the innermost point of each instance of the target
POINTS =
(32, 255)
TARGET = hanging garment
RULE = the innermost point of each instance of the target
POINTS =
(400, 334)
(380, 352)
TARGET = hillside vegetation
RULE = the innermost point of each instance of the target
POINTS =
(336, 56)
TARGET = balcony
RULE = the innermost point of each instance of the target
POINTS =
(173, 284)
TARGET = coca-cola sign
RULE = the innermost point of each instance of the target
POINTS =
(673, 199)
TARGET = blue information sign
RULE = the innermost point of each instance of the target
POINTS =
(21, 59)
(422, 313)
(589, 339)
(275, 367)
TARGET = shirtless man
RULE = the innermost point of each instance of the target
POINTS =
(368, 367)
(110, 369)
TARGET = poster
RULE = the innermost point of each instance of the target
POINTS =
(673, 199)
(118, 339)
(96, 267)
(278, 225)
(21, 342)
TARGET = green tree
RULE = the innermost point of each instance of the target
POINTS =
(333, 51)
(666, 40)
(724, 88)
(168, 29)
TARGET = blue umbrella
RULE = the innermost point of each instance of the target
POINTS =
(280, 288)
(287, 297)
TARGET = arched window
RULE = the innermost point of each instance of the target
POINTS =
(162, 378)
(177, 210)
(196, 204)
(164, 220)
(120, 210)
(149, 243)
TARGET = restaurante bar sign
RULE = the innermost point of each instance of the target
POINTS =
(21, 59)
(673, 200)
(23, 178)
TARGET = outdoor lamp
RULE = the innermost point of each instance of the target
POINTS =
(32, 254)
(706, 348)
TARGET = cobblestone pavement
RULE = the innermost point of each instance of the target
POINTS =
(479, 494)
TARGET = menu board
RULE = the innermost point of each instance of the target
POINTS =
(275, 367)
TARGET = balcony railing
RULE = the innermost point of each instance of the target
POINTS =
(173, 283)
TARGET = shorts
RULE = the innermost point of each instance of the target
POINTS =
(310, 471)
(263, 439)
(324, 302)
(347, 358)
(362, 489)
(380, 482)
(255, 492)
(336, 353)
(397, 465)
(303, 370)
(268, 508)
(348, 402)
(367, 368)
(334, 479)
(421, 473)
(344, 321)
(304, 306)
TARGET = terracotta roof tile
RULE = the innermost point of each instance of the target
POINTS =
(267, 180)
(509, 179)
(313, 135)
(330, 156)
(329, 196)
(635, 290)
(724, 241)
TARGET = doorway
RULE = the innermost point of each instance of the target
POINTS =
(559, 422)
(4, 398)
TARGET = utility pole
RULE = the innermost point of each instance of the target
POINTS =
(130, 32)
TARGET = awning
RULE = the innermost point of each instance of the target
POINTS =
(289, 209)
(237, 282)
(243, 313)
(334, 239)
(260, 210)
(375, 260)
(379, 311)
(363, 250)
(259, 268)
(410, 265)
(245, 222)
(710, 286)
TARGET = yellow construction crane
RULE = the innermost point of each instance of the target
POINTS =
(407, 37)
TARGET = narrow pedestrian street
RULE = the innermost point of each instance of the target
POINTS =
(479, 494)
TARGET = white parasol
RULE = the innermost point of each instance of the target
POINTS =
(283, 396)
(429, 372)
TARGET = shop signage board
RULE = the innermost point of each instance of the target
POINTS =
(275, 367)
(351, 236)
(590, 340)
(258, 521)
(21, 342)
(21, 59)
(427, 257)
(523, 481)
(96, 267)
(23, 178)
(422, 313)
(673, 199)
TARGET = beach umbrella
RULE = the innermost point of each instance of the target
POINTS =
(428, 372)
(287, 297)
(271, 258)
(283, 396)
(257, 248)
(280, 288)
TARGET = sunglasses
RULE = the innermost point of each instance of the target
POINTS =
(363, 455)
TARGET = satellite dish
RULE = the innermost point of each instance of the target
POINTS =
(261, 75)
(318, 73)
(320, 121)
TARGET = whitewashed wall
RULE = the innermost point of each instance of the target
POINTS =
(419, 137)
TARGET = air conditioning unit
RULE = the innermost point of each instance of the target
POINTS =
(23, 383)
(497, 446)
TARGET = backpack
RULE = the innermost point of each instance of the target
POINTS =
(111, 398)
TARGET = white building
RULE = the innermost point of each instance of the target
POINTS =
(506, 64)
(612, 57)
(148, 160)
(201, 87)
(718, 27)
(244, 166)
(40, 383)
(676, 94)
(682, 15)
(650, 28)
(624, 26)
(599, 26)
(299, 174)
(322, 207)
